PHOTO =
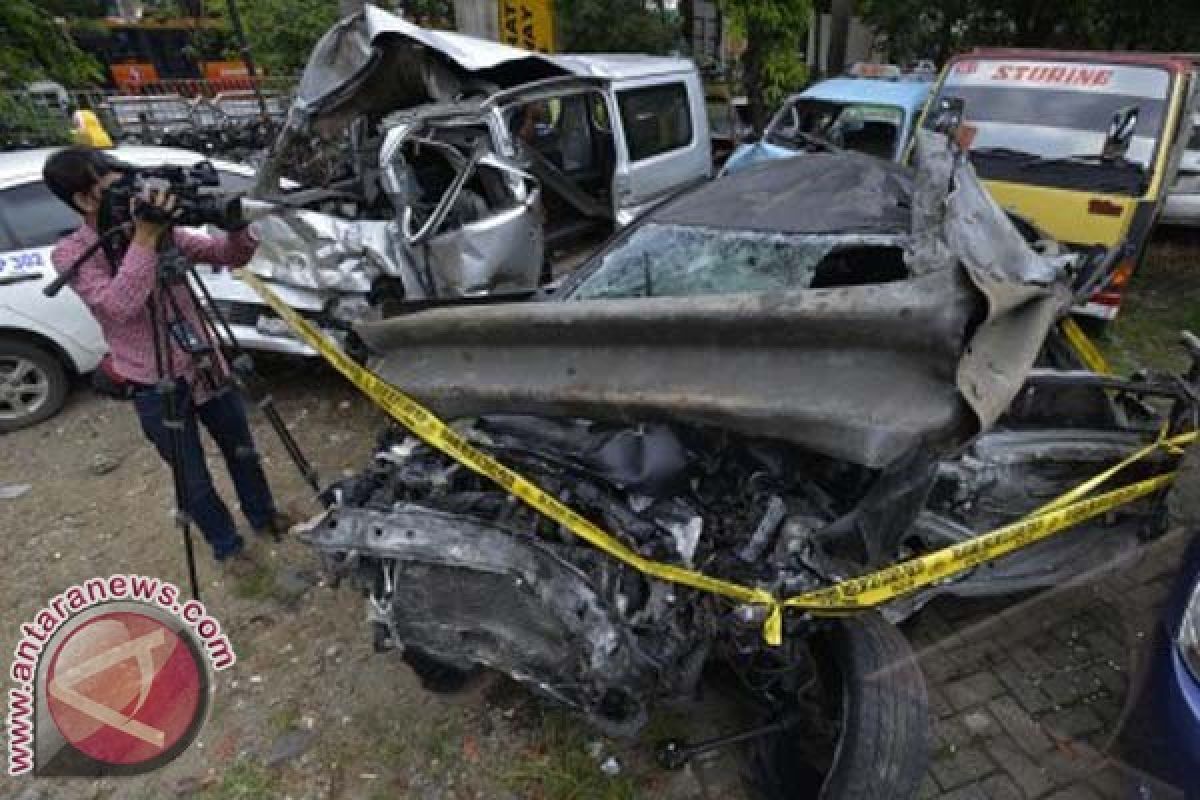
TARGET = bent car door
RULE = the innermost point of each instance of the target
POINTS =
(469, 219)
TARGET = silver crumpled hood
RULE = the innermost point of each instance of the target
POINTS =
(311, 250)
(373, 63)
(860, 373)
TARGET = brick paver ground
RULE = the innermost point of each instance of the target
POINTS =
(1026, 696)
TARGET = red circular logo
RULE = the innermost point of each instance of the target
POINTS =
(124, 688)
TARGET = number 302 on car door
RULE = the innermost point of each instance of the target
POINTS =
(21, 261)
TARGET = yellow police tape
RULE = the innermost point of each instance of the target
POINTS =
(1087, 351)
(848, 596)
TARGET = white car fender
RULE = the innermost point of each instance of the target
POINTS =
(63, 320)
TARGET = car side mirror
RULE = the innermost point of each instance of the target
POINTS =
(1120, 134)
(948, 116)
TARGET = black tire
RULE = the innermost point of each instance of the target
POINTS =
(25, 406)
(876, 687)
(435, 675)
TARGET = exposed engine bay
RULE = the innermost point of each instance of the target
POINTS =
(460, 570)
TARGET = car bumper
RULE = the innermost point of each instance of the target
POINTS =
(256, 326)
(1181, 209)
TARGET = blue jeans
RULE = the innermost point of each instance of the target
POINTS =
(224, 417)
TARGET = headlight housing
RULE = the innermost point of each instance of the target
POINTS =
(1188, 638)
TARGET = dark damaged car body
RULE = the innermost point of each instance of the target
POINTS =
(797, 374)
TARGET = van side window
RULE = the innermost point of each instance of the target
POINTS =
(656, 119)
(35, 216)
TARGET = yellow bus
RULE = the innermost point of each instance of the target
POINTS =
(1039, 128)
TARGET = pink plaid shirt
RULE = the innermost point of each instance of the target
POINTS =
(119, 302)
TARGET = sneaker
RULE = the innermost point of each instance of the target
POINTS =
(279, 524)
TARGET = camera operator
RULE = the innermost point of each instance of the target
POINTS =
(120, 297)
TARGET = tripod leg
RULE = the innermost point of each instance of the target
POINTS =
(247, 378)
(173, 424)
(173, 421)
(306, 469)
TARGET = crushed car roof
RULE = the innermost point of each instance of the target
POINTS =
(374, 63)
(618, 66)
(822, 193)
(475, 54)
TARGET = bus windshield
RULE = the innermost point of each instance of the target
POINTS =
(1045, 122)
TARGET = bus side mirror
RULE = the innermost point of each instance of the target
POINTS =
(948, 116)
(1120, 134)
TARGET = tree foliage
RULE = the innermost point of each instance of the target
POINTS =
(614, 26)
(33, 45)
(774, 31)
(937, 29)
(281, 32)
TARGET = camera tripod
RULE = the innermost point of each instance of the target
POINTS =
(169, 326)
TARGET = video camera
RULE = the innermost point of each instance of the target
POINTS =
(194, 206)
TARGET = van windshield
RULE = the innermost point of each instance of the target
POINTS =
(1045, 122)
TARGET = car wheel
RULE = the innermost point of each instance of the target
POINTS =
(873, 740)
(33, 384)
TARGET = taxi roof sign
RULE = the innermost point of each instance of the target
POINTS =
(868, 69)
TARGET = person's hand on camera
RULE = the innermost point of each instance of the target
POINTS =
(149, 213)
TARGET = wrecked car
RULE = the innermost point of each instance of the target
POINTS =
(797, 374)
(478, 168)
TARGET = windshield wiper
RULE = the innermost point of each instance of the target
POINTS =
(1033, 160)
(810, 139)
(1093, 160)
(1005, 152)
(1103, 179)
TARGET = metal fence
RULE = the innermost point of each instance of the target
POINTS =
(42, 116)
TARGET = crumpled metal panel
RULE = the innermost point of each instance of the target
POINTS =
(1025, 291)
(376, 62)
(320, 251)
(861, 373)
(501, 253)
(469, 592)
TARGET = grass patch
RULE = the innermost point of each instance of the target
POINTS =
(443, 744)
(244, 781)
(282, 721)
(1162, 300)
(556, 765)
(258, 585)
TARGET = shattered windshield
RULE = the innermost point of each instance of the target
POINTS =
(867, 128)
(663, 260)
(1045, 123)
